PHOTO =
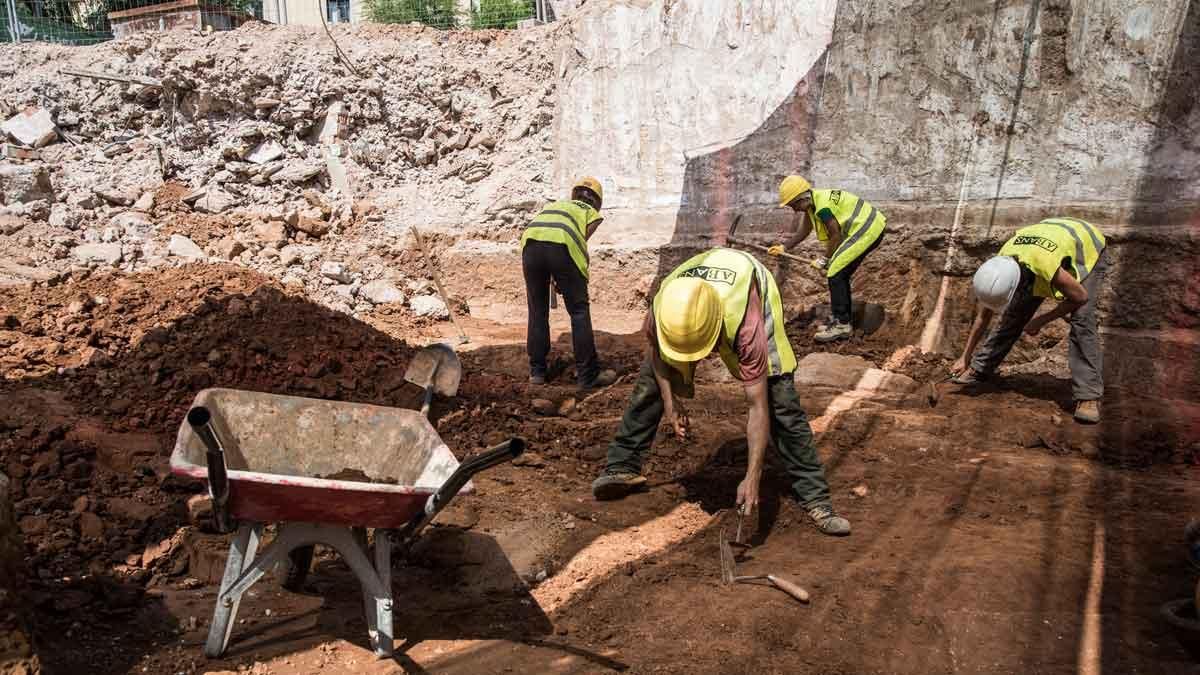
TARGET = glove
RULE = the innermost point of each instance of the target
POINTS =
(820, 263)
(777, 249)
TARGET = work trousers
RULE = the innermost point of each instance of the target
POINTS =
(1084, 355)
(840, 301)
(793, 437)
(542, 261)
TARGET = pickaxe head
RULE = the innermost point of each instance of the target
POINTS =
(733, 228)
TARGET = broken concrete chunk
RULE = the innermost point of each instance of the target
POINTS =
(133, 222)
(267, 151)
(215, 200)
(332, 126)
(297, 172)
(32, 126)
(381, 292)
(182, 247)
(98, 253)
(65, 217)
(272, 232)
(430, 306)
(117, 196)
(264, 103)
(228, 248)
(336, 271)
(24, 183)
(145, 202)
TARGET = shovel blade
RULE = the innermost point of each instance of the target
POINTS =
(435, 365)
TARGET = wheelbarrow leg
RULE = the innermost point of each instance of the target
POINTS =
(382, 606)
(241, 557)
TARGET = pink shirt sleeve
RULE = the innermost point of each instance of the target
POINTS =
(751, 343)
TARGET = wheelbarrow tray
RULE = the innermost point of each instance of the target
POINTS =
(283, 445)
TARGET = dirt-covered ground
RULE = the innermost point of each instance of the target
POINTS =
(991, 533)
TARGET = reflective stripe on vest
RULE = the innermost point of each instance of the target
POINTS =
(730, 273)
(851, 211)
(1042, 247)
(564, 222)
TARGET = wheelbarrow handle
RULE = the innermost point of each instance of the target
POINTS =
(504, 452)
(201, 420)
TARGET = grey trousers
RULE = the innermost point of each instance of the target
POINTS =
(1084, 356)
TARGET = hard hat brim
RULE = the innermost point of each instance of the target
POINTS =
(665, 347)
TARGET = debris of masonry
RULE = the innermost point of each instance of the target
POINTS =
(601, 336)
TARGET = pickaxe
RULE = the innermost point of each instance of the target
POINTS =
(758, 247)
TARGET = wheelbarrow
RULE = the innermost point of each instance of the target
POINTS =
(323, 471)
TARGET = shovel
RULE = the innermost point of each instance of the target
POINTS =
(729, 566)
(436, 369)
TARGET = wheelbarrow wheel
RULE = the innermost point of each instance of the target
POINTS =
(299, 560)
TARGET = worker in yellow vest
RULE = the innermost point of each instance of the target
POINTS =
(723, 300)
(1061, 258)
(554, 248)
(850, 227)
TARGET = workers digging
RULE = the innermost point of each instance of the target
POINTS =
(1060, 258)
(554, 250)
(725, 300)
(849, 226)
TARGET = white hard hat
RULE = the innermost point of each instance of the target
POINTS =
(996, 281)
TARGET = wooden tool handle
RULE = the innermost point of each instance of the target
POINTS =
(789, 588)
(437, 281)
(757, 247)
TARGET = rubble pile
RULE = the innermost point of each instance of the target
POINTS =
(258, 147)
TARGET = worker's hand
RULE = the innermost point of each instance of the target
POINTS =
(958, 367)
(777, 249)
(1034, 326)
(747, 493)
(820, 263)
(679, 421)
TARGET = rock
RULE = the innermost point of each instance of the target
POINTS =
(567, 406)
(264, 103)
(228, 248)
(214, 200)
(110, 234)
(823, 369)
(11, 224)
(272, 232)
(331, 126)
(530, 459)
(116, 196)
(314, 227)
(145, 202)
(486, 140)
(24, 183)
(860, 491)
(32, 126)
(544, 407)
(109, 254)
(35, 525)
(133, 222)
(182, 247)
(65, 217)
(155, 552)
(381, 292)
(90, 526)
(267, 151)
(429, 305)
(297, 172)
(336, 271)
(199, 509)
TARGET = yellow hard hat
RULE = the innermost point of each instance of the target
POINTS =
(591, 184)
(689, 319)
(792, 187)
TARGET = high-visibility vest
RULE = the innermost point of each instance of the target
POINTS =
(730, 272)
(861, 225)
(1042, 248)
(564, 222)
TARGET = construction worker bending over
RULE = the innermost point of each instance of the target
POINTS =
(850, 227)
(1060, 258)
(554, 247)
(724, 300)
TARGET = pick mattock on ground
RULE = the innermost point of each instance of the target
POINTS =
(729, 565)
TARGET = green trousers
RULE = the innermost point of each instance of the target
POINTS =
(790, 431)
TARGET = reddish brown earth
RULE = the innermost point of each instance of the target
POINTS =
(991, 534)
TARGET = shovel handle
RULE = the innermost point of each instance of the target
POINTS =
(789, 588)
(746, 244)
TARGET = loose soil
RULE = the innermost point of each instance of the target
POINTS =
(991, 534)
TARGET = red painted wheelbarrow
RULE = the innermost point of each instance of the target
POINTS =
(267, 459)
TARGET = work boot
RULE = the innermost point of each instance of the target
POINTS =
(603, 379)
(617, 484)
(828, 521)
(537, 378)
(834, 331)
(968, 377)
(1087, 412)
